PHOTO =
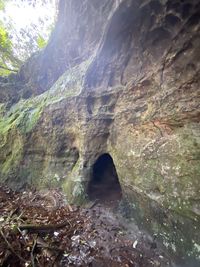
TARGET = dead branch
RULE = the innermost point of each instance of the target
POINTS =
(10, 247)
(42, 228)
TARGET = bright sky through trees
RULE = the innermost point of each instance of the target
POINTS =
(23, 14)
(27, 24)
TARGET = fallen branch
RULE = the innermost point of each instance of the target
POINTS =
(42, 228)
(10, 247)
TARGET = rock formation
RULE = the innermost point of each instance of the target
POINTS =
(118, 77)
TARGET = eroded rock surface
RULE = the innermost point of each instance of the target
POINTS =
(118, 77)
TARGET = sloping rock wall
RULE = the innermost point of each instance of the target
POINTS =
(118, 77)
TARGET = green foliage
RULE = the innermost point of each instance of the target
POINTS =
(6, 56)
(5, 43)
(41, 42)
(2, 4)
(19, 41)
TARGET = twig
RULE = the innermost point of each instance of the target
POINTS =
(10, 247)
(15, 211)
(4, 68)
(69, 208)
(157, 128)
(126, 258)
(32, 251)
(94, 204)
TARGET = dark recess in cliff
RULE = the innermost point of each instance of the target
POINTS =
(104, 183)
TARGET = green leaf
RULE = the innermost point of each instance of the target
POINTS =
(41, 42)
(5, 43)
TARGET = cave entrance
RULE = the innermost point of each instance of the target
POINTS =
(104, 184)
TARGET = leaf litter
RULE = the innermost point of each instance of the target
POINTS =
(40, 229)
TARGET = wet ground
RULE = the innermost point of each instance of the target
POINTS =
(42, 229)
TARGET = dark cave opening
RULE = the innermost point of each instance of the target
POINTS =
(104, 184)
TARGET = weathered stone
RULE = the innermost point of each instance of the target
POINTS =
(118, 77)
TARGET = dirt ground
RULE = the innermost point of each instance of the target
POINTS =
(42, 229)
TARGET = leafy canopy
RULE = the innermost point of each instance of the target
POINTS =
(25, 27)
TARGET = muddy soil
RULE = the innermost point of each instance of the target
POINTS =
(42, 229)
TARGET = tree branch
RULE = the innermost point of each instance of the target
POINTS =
(5, 68)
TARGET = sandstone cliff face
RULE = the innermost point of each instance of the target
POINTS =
(118, 77)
